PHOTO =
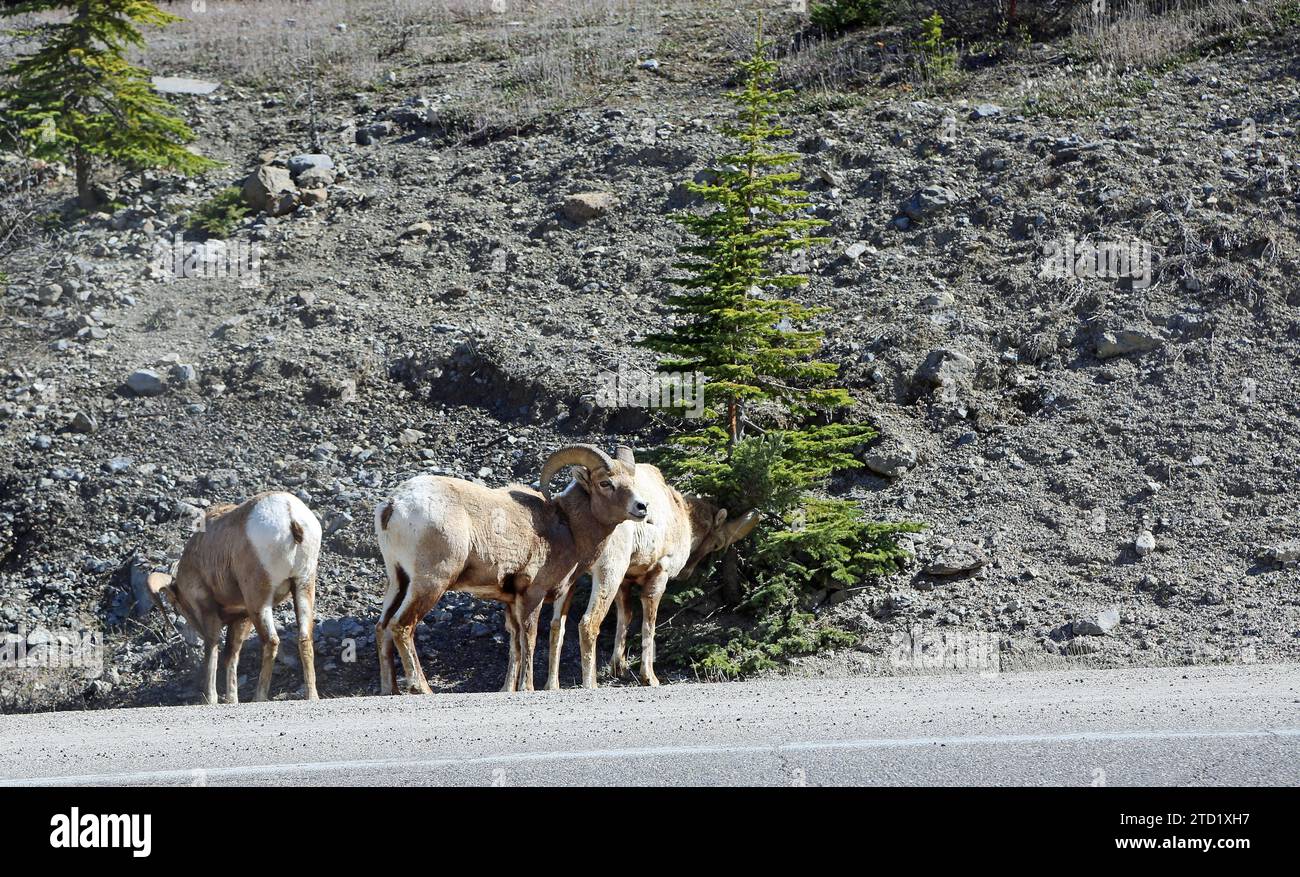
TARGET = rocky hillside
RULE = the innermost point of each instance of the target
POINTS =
(462, 224)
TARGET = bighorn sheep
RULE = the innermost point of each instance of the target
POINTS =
(242, 561)
(511, 544)
(679, 532)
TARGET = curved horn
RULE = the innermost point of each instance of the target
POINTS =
(624, 455)
(589, 456)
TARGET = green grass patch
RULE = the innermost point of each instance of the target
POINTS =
(218, 216)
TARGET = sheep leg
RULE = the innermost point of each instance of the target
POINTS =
(208, 624)
(618, 661)
(264, 621)
(210, 647)
(211, 642)
(304, 607)
(387, 671)
(527, 613)
(650, 596)
(236, 633)
(512, 663)
(424, 595)
(606, 579)
(393, 597)
(404, 638)
(559, 614)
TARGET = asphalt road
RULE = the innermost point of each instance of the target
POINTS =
(1236, 725)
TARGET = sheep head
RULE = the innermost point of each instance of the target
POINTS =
(711, 531)
(609, 482)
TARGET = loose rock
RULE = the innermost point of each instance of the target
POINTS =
(586, 206)
(958, 559)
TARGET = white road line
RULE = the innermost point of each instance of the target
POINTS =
(247, 771)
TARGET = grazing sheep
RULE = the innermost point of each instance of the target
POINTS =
(242, 561)
(511, 544)
(679, 532)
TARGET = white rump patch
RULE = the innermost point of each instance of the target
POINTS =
(270, 534)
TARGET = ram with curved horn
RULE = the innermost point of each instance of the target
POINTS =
(512, 544)
(677, 534)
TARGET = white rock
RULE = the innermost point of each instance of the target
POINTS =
(1098, 625)
(1145, 543)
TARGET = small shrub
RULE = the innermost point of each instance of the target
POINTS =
(774, 428)
(936, 56)
(159, 319)
(838, 16)
(218, 216)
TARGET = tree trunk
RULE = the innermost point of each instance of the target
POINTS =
(85, 194)
(732, 593)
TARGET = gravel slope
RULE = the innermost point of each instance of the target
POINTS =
(1042, 427)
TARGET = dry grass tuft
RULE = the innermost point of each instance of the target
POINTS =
(548, 53)
(1124, 34)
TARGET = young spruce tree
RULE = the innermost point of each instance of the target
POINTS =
(768, 437)
(76, 99)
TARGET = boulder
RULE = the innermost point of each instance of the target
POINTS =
(890, 458)
(265, 187)
(927, 202)
(1076, 647)
(145, 382)
(315, 178)
(83, 423)
(1099, 624)
(957, 559)
(947, 370)
(1144, 543)
(312, 197)
(1119, 342)
(417, 230)
(855, 251)
(300, 164)
(586, 206)
(283, 203)
(1286, 554)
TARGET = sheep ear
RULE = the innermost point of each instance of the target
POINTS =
(582, 476)
(159, 582)
(163, 589)
(719, 518)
